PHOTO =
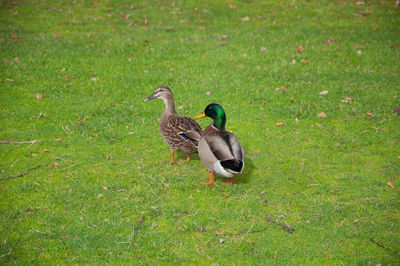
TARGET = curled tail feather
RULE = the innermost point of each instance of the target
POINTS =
(233, 165)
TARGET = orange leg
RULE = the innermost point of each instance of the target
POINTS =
(211, 180)
(230, 181)
(172, 158)
(188, 158)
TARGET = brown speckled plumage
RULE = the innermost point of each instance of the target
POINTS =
(179, 132)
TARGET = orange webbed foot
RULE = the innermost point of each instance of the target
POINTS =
(230, 181)
(188, 158)
(211, 180)
(171, 161)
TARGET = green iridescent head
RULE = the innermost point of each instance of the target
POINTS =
(215, 112)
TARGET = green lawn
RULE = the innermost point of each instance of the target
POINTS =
(74, 75)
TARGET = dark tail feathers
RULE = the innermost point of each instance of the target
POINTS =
(234, 165)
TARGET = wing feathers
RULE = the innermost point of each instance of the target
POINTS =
(224, 145)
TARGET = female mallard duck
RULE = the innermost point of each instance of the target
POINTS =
(219, 149)
(179, 132)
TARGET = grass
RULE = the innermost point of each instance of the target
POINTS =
(104, 163)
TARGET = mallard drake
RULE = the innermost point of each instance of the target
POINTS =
(179, 132)
(219, 149)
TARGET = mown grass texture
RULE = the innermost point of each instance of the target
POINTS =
(74, 75)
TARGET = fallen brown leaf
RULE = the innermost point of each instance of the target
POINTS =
(323, 92)
(224, 195)
(348, 100)
(219, 232)
(391, 185)
(305, 60)
(125, 16)
(299, 49)
(245, 18)
(281, 89)
(223, 37)
(262, 102)
(370, 114)
(55, 165)
(397, 110)
(321, 115)
(232, 6)
(14, 36)
(279, 124)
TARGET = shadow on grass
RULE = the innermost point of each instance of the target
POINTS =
(246, 174)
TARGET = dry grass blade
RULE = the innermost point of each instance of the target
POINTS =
(18, 142)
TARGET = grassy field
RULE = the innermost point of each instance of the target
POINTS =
(309, 87)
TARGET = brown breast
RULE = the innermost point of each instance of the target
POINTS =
(210, 129)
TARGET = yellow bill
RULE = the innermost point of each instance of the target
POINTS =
(202, 115)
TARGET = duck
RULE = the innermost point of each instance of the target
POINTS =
(220, 150)
(181, 133)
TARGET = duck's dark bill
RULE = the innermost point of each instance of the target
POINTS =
(151, 97)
